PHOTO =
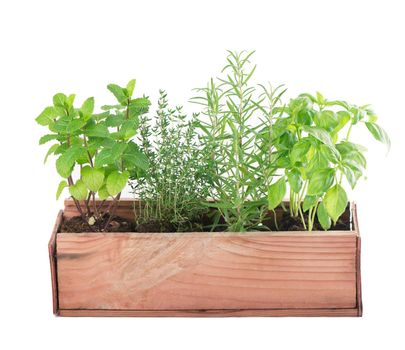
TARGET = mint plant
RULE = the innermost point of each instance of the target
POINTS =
(97, 148)
(176, 183)
(312, 136)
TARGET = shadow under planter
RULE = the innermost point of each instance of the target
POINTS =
(205, 273)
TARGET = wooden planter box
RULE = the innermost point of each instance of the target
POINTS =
(205, 274)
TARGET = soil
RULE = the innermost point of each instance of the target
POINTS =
(117, 224)
(288, 223)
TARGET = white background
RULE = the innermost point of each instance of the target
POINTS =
(353, 50)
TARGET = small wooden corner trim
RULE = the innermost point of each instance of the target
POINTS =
(52, 260)
(358, 278)
(356, 229)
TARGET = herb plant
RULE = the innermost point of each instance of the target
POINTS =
(245, 151)
(230, 136)
(98, 147)
(312, 136)
(258, 148)
(172, 189)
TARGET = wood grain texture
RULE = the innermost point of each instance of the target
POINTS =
(52, 260)
(125, 208)
(209, 274)
(358, 261)
(212, 313)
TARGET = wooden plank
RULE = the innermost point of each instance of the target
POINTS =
(205, 271)
(212, 313)
(52, 260)
(359, 305)
(125, 208)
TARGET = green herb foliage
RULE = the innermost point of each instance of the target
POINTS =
(176, 183)
(312, 138)
(96, 147)
(259, 148)
(230, 138)
(245, 151)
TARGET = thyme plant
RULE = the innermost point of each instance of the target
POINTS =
(95, 147)
(172, 189)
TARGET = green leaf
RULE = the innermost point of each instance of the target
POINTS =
(276, 193)
(134, 158)
(116, 182)
(335, 202)
(130, 87)
(326, 120)
(127, 130)
(379, 134)
(309, 201)
(115, 120)
(59, 100)
(87, 108)
(316, 161)
(118, 149)
(104, 157)
(65, 163)
(47, 138)
(103, 193)
(61, 186)
(119, 93)
(47, 116)
(351, 175)
(305, 116)
(343, 118)
(323, 217)
(60, 125)
(320, 99)
(109, 107)
(97, 130)
(74, 125)
(294, 179)
(78, 190)
(138, 106)
(70, 99)
(320, 134)
(101, 116)
(350, 150)
(320, 181)
(357, 114)
(300, 150)
(93, 178)
(331, 154)
(51, 150)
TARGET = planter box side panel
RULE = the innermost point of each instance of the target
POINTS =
(206, 271)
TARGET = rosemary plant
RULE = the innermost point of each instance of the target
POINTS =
(172, 189)
(239, 169)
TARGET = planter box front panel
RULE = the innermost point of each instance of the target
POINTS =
(255, 273)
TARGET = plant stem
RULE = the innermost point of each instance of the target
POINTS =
(112, 211)
(302, 217)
